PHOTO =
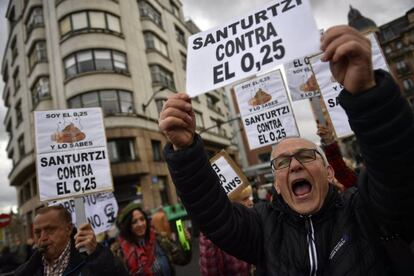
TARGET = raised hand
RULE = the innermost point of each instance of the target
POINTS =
(177, 120)
(85, 237)
(349, 54)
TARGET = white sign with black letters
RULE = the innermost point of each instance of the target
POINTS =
(230, 175)
(71, 153)
(268, 36)
(101, 210)
(266, 110)
(301, 81)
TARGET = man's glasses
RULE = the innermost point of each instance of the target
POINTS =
(303, 156)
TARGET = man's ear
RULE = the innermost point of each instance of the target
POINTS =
(277, 187)
(331, 174)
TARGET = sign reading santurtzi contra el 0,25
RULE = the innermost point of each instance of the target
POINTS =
(71, 153)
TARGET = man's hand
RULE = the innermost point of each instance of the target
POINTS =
(349, 54)
(177, 120)
(85, 237)
(326, 134)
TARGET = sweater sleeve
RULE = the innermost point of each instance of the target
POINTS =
(198, 186)
(383, 123)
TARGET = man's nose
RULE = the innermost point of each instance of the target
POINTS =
(295, 165)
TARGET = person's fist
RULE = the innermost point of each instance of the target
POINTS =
(177, 120)
(349, 54)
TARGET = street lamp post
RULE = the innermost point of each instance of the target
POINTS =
(145, 105)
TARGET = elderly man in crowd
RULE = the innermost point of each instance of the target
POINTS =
(309, 228)
(57, 248)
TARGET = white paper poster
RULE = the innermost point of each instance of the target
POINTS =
(101, 210)
(265, 109)
(277, 32)
(301, 81)
(71, 153)
(230, 175)
(378, 59)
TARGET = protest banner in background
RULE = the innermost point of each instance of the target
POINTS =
(330, 89)
(301, 81)
(101, 210)
(230, 175)
(265, 109)
(71, 153)
(271, 35)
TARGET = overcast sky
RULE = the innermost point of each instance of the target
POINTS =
(207, 14)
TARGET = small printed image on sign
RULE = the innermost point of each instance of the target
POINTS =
(69, 134)
(309, 85)
(261, 97)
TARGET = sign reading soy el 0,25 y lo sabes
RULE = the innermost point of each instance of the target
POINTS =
(71, 153)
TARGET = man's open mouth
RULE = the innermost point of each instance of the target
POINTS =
(301, 188)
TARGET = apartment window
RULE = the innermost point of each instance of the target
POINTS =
(95, 60)
(162, 76)
(146, 10)
(6, 74)
(37, 54)
(156, 150)
(175, 9)
(40, 90)
(9, 128)
(408, 84)
(199, 119)
(35, 20)
(399, 45)
(212, 102)
(19, 114)
(121, 150)
(153, 42)
(20, 144)
(264, 157)
(180, 36)
(160, 103)
(34, 186)
(111, 101)
(163, 188)
(13, 48)
(89, 21)
(183, 60)
(16, 80)
(218, 127)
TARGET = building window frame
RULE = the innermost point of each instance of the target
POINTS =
(37, 54)
(154, 42)
(156, 147)
(148, 11)
(162, 76)
(19, 113)
(16, 80)
(122, 150)
(109, 25)
(121, 101)
(40, 90)
(13, 49)
(34, 20)
(21, 146)
(117, 62)
(180, 35)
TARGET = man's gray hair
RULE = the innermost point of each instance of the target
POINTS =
(322, 153)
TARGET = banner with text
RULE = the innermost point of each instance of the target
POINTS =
(101, 210)
(268, 36)
(266, 110)
(231, 177)
(71, 153)
(330, 89)
(301, 81)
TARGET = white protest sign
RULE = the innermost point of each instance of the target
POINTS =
(265, 109)
(101, 210)
(71, 153)
(378, 59)
(266, 37)
(301, 81)
(231, 177)
(330, 90)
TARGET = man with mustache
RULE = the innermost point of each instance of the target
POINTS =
(309, 228)
(57, 248)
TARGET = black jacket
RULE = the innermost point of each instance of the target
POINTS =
(352, 231)
(100, 262)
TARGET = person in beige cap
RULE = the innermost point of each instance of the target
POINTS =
(215, 262)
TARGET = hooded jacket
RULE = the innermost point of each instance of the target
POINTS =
(352, 234)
